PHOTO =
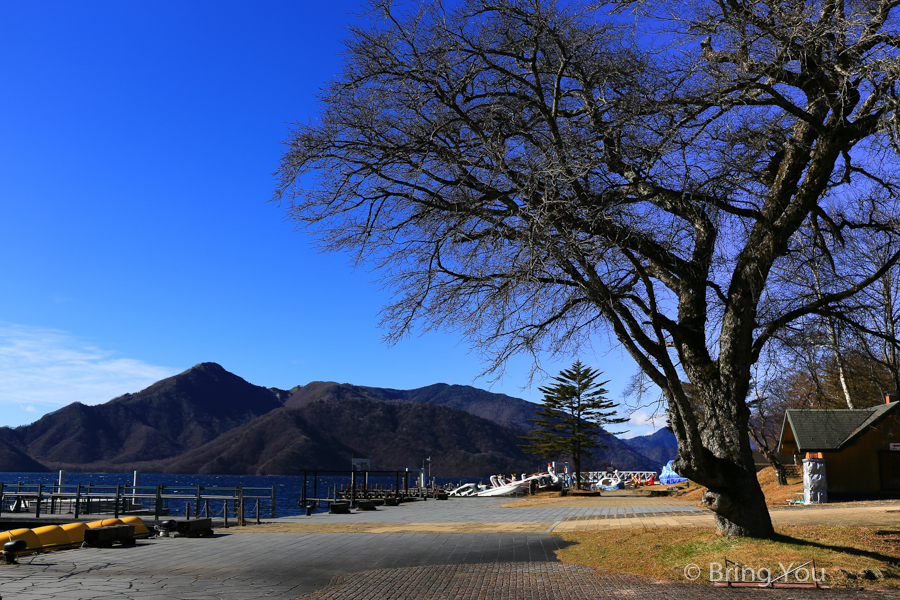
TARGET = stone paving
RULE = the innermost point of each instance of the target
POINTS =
(403, 560)
(491, 510)
(238, 566)
(544, 581)
(488, 515)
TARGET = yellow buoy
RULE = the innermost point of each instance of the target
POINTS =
(139, 527)
(52, 536)
(75, 531)
(104, 523)
(22, 534)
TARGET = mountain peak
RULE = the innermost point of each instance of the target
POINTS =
(206, 367)
(170, 417)
(210, 419)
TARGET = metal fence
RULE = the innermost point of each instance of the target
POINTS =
(592, 478)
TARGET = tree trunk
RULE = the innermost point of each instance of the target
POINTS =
(835, 345)
(891, 354)
(780, 473)
(721, 459)
(734, 495)
(763, 444)
(740, 509)
(839, 358)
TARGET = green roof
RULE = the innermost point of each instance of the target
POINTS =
(830, 430)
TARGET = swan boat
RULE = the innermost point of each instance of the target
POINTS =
(501, 486)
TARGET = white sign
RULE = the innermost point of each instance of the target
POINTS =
(895, 446)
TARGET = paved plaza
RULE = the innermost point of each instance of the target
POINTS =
(465, 548)
(241, 566)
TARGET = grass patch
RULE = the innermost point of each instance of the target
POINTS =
(851, 556)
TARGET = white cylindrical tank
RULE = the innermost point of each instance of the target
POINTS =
(815, 484)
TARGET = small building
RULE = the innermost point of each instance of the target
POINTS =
(860, 447)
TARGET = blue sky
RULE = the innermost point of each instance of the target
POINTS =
(137, 146)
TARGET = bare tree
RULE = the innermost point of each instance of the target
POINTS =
(522, 172)
(849, 349)
(776, 388)
(812, 267)
(763, 422)
(877, 342)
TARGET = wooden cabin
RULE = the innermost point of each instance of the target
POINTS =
(861, 447)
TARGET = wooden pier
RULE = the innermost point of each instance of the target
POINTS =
(84, 500)
(360, 489)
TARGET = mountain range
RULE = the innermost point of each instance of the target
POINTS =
(207, 420)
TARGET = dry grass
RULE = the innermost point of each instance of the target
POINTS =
(846, 553)
(776, 495)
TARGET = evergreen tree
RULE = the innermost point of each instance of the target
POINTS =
(572, 418)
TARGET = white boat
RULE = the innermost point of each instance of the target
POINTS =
(609, 483)
(512, 489)
(544, 481)
(501, 486)
(467, 489)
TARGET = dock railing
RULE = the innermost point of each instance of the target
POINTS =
(591, 478)
(120, 499)
(391, 484)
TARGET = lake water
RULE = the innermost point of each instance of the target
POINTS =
(288, 488)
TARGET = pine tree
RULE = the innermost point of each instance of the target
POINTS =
(572, 418)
